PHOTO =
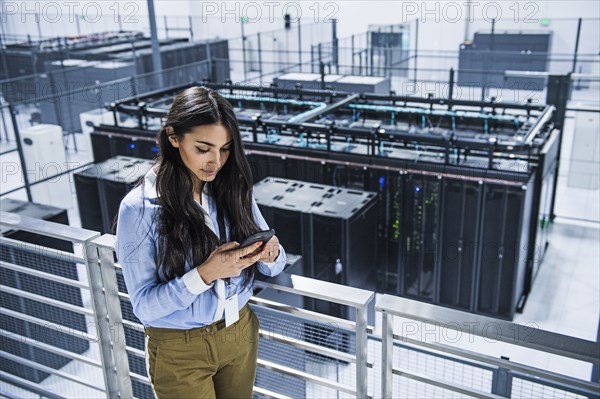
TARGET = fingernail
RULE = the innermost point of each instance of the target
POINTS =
(258, 244)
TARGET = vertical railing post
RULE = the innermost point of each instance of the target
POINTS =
(13, 117)
(335, 46)
(102, 319)
(416, 50)
(361, 351)
(352, 53)
(244, 51)
(576, 50)
(387, 357)
(115, 317)
(260, 66)
(502, 381)
(77, 23)
(300, 45)
(320, 52)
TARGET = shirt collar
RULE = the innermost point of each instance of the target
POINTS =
(150, 185)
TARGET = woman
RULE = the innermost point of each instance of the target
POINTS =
(177, 241)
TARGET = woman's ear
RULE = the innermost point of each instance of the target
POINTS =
(173, 140)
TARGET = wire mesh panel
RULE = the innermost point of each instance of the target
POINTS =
(437, 367)
(522, 388)
(49, 334)
(134, 337)
(298, 330)
(431, 368)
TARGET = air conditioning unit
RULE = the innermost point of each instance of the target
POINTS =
(44, 154)
(88, 120)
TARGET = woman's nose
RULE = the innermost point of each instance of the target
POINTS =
(215, 159)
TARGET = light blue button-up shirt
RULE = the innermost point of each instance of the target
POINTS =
(184, 302)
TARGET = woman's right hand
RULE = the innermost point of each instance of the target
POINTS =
(228, 261)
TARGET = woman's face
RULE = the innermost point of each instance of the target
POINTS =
(204, 150)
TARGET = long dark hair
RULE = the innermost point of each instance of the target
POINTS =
(183, 233)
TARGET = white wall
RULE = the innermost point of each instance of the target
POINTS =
(441, 26)
(355, 16)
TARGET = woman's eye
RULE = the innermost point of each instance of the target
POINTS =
(226, 149)
(203, 151)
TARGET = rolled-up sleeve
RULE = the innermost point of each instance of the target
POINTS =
(136, 253)
(270, 268)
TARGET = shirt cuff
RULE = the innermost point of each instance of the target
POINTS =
(270, 264)
(194, 282)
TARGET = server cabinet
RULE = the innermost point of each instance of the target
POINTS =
(106, 145)
(65, 108)
(419, 237)
(502, 52)
(543, 207)
(390, 216)
(503, 250)
(334, 229)
(344, 242)
(101, 187)
(460, 221)
(285, 205)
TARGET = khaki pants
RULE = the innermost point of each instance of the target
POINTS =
(206, 362)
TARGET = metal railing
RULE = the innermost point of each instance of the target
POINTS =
(117, 333)
(479, 326)
(47, 308)
(75, 294)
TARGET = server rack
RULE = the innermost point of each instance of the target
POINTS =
(334, 229)
(63, 107)
(27, 61)
(499, 52)
(419, 236)
(344, 83)
(459, 239)
(506, 218)
(101, 187)
(42, 66)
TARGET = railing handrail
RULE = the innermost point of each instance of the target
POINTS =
(509, 332)
(55, 230)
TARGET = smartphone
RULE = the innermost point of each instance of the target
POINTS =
(263, 236)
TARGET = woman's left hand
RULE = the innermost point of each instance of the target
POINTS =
(270, 251)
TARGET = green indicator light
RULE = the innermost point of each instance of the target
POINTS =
(544, 22)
